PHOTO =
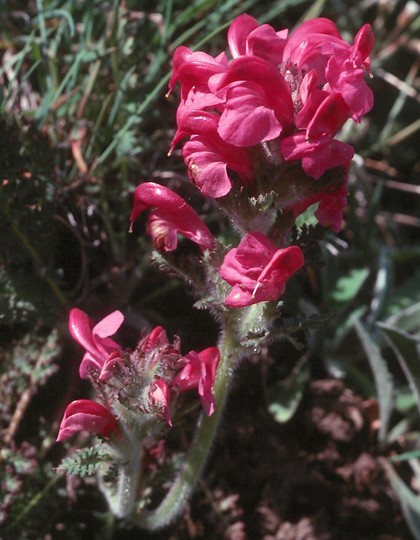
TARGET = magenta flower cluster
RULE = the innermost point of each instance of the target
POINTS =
(133, 386)
(263, 124)
(296, 91)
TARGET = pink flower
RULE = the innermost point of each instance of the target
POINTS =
(206, 155)
(199, 372)
(196, 115)
(170, 215)
(311, 45)
(345, 73)
(157, 336)
(257, 270)
(315, 145)
(160, 397)
(208, 159)
(94, 338)
(193, 69)
(258, 104)
(87, 415)
(247, 37)
(154, 349)
(317, 45)
(110, 365)
(297, 90)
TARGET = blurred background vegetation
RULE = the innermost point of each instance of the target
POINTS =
(83, 120)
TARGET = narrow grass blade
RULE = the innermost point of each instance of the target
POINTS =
(410, 503)
(405, 348)
(383, 379)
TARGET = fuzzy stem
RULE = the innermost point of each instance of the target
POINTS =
(182, 488)
(128, 481)
(122, 500)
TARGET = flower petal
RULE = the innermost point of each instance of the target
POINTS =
(109, 325)
(80, 327)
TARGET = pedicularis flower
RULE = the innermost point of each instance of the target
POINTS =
(87, 415)
(94, 338)
(258, 270)
(170, 215)
(199, 371)
(259, 131)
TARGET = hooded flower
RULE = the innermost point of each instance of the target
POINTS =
(207, 156)
(247, 37)
(193, 69)
(170, 215)
(87, 415)
(341, 67)
(160, 397)
(199, 372)
(156, 337)
(319, 120)
(209, 160)
(94, 338)
(258, 104)
(258, 271)
(345, 73)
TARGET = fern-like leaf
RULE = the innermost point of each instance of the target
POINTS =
(85, 462)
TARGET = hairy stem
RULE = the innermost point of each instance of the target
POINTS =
(122, 499)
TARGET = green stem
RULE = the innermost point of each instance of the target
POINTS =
(128, 481)
(122, 497)
(182, 488)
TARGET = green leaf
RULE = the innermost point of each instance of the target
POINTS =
(85, 462)
(347, 287)
(414, 454)
(285, 396)
(401, 429)
(406, 350)
(408, 319)
(406, 296)
(382, 285)
(383, 379)
(410, 503)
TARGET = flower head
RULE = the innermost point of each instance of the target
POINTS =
(297, 90)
